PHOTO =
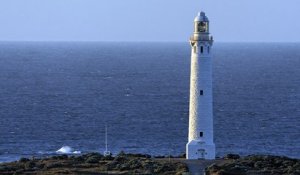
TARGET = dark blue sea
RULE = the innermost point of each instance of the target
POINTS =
(63, 94)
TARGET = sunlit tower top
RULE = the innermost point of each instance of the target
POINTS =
(201, 29)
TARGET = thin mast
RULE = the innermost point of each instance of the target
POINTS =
(106, 152)
(105, 137)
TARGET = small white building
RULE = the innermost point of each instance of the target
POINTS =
(201, 143)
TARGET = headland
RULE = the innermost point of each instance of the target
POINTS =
(121, 164)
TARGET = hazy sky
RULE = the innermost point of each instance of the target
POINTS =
(148, 20)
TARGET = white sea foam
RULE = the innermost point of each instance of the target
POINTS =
(67, 150)
(76, 152)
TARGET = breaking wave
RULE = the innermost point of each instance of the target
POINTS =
(67, 150)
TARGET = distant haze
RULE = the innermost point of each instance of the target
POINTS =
(148, 20)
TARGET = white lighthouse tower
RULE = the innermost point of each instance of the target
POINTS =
(201, 143)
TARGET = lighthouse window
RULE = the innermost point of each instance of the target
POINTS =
(195, 49)
(201, 134)
(201, 92)
(201, 49)
(208, 49)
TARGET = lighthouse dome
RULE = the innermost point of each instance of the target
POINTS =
(201, 17)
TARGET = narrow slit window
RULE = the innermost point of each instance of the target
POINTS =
(201, 134)
(201, 92)
(195, 49)
(201, 49)
(208, 49)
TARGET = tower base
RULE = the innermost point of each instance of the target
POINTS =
(197, 149)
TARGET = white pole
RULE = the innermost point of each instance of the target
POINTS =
(105, 137)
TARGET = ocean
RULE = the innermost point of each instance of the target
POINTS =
(62, 94)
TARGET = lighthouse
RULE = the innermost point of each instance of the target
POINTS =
(200, 142)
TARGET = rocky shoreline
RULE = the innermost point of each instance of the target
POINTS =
(255, 165)
(95, 163)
